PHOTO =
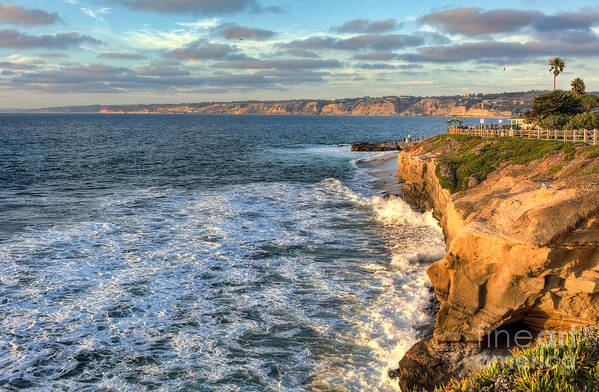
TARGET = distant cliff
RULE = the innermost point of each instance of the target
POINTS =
(479, 105)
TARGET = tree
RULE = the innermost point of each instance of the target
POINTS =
(589, 101)
(578, 87)
(583, 121)
(556, 66)
(554, 103)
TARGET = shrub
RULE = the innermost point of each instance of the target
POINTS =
(566, 365)
(554, 121)
(583, 121)
(554, 170)
(593, 152)
(589, 101)
(478, 158)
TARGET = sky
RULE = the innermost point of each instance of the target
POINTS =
(79, 52)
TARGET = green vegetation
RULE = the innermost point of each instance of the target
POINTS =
(553, 121)
(477, 158)
(593, 152)
(554, 170)
(589, 101)
(583, 121)
(569, 151)
(566, 365)
(578, 87)
(560, 103)
(594, 170)
(565, 109)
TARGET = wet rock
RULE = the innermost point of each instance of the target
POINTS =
(377, 146)
(429, 364)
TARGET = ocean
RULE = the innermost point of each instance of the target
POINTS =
(209, 253)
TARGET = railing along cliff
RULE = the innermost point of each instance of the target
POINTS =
(575, 136)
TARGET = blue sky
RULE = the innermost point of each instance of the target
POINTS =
(71, 52)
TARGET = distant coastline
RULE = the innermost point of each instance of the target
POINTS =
(466, 105)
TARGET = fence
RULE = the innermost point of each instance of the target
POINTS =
(575, 136)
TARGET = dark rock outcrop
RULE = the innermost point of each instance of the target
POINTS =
(377, 146)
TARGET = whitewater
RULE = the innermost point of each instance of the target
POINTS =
(262, 281)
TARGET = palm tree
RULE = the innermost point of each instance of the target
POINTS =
(556, 66)
(578, 87)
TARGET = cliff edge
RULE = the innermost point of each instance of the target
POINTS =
(521, 219)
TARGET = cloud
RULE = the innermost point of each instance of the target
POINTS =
(202, 49)
(100, 78)
(15, 14)
(376, 56)
(476, 21)
(15, 40)
(508, 52)
(234, 31)
(582, 20)
(294, 76)
(361, 26)
(54, 55)
(121, 56)
(284, 64)
(360, 42)
(405, 68)
(162, 69)
(468, 52)
(97, 13)
(377, 66)
(205, 7)
(303, 53)
(8, 65)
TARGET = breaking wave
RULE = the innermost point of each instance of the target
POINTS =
(280, 286)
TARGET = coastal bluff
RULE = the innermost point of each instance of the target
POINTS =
(355, 107)
(521, 223)
(466, 105)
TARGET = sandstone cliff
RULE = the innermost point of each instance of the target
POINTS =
(434, 107)
(424, 107)
(523, 247)
(478, 105)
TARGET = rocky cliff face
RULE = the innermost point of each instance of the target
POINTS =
(495, 105)
(519, 250)
(434, 107)
(424, 107)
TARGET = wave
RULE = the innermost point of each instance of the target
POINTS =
(373, 156)
(214, 281)
(396, 315)
(388, 210)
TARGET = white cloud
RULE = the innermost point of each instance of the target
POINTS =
(150, 38)
(203, 24)
(97, 13)
(516, 38)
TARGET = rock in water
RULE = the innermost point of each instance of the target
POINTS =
(377, 146)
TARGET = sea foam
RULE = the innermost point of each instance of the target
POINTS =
(270, 286)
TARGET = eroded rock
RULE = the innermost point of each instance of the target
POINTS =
(377, 146)
(516, 252)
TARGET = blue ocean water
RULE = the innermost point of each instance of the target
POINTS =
(212, 253)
